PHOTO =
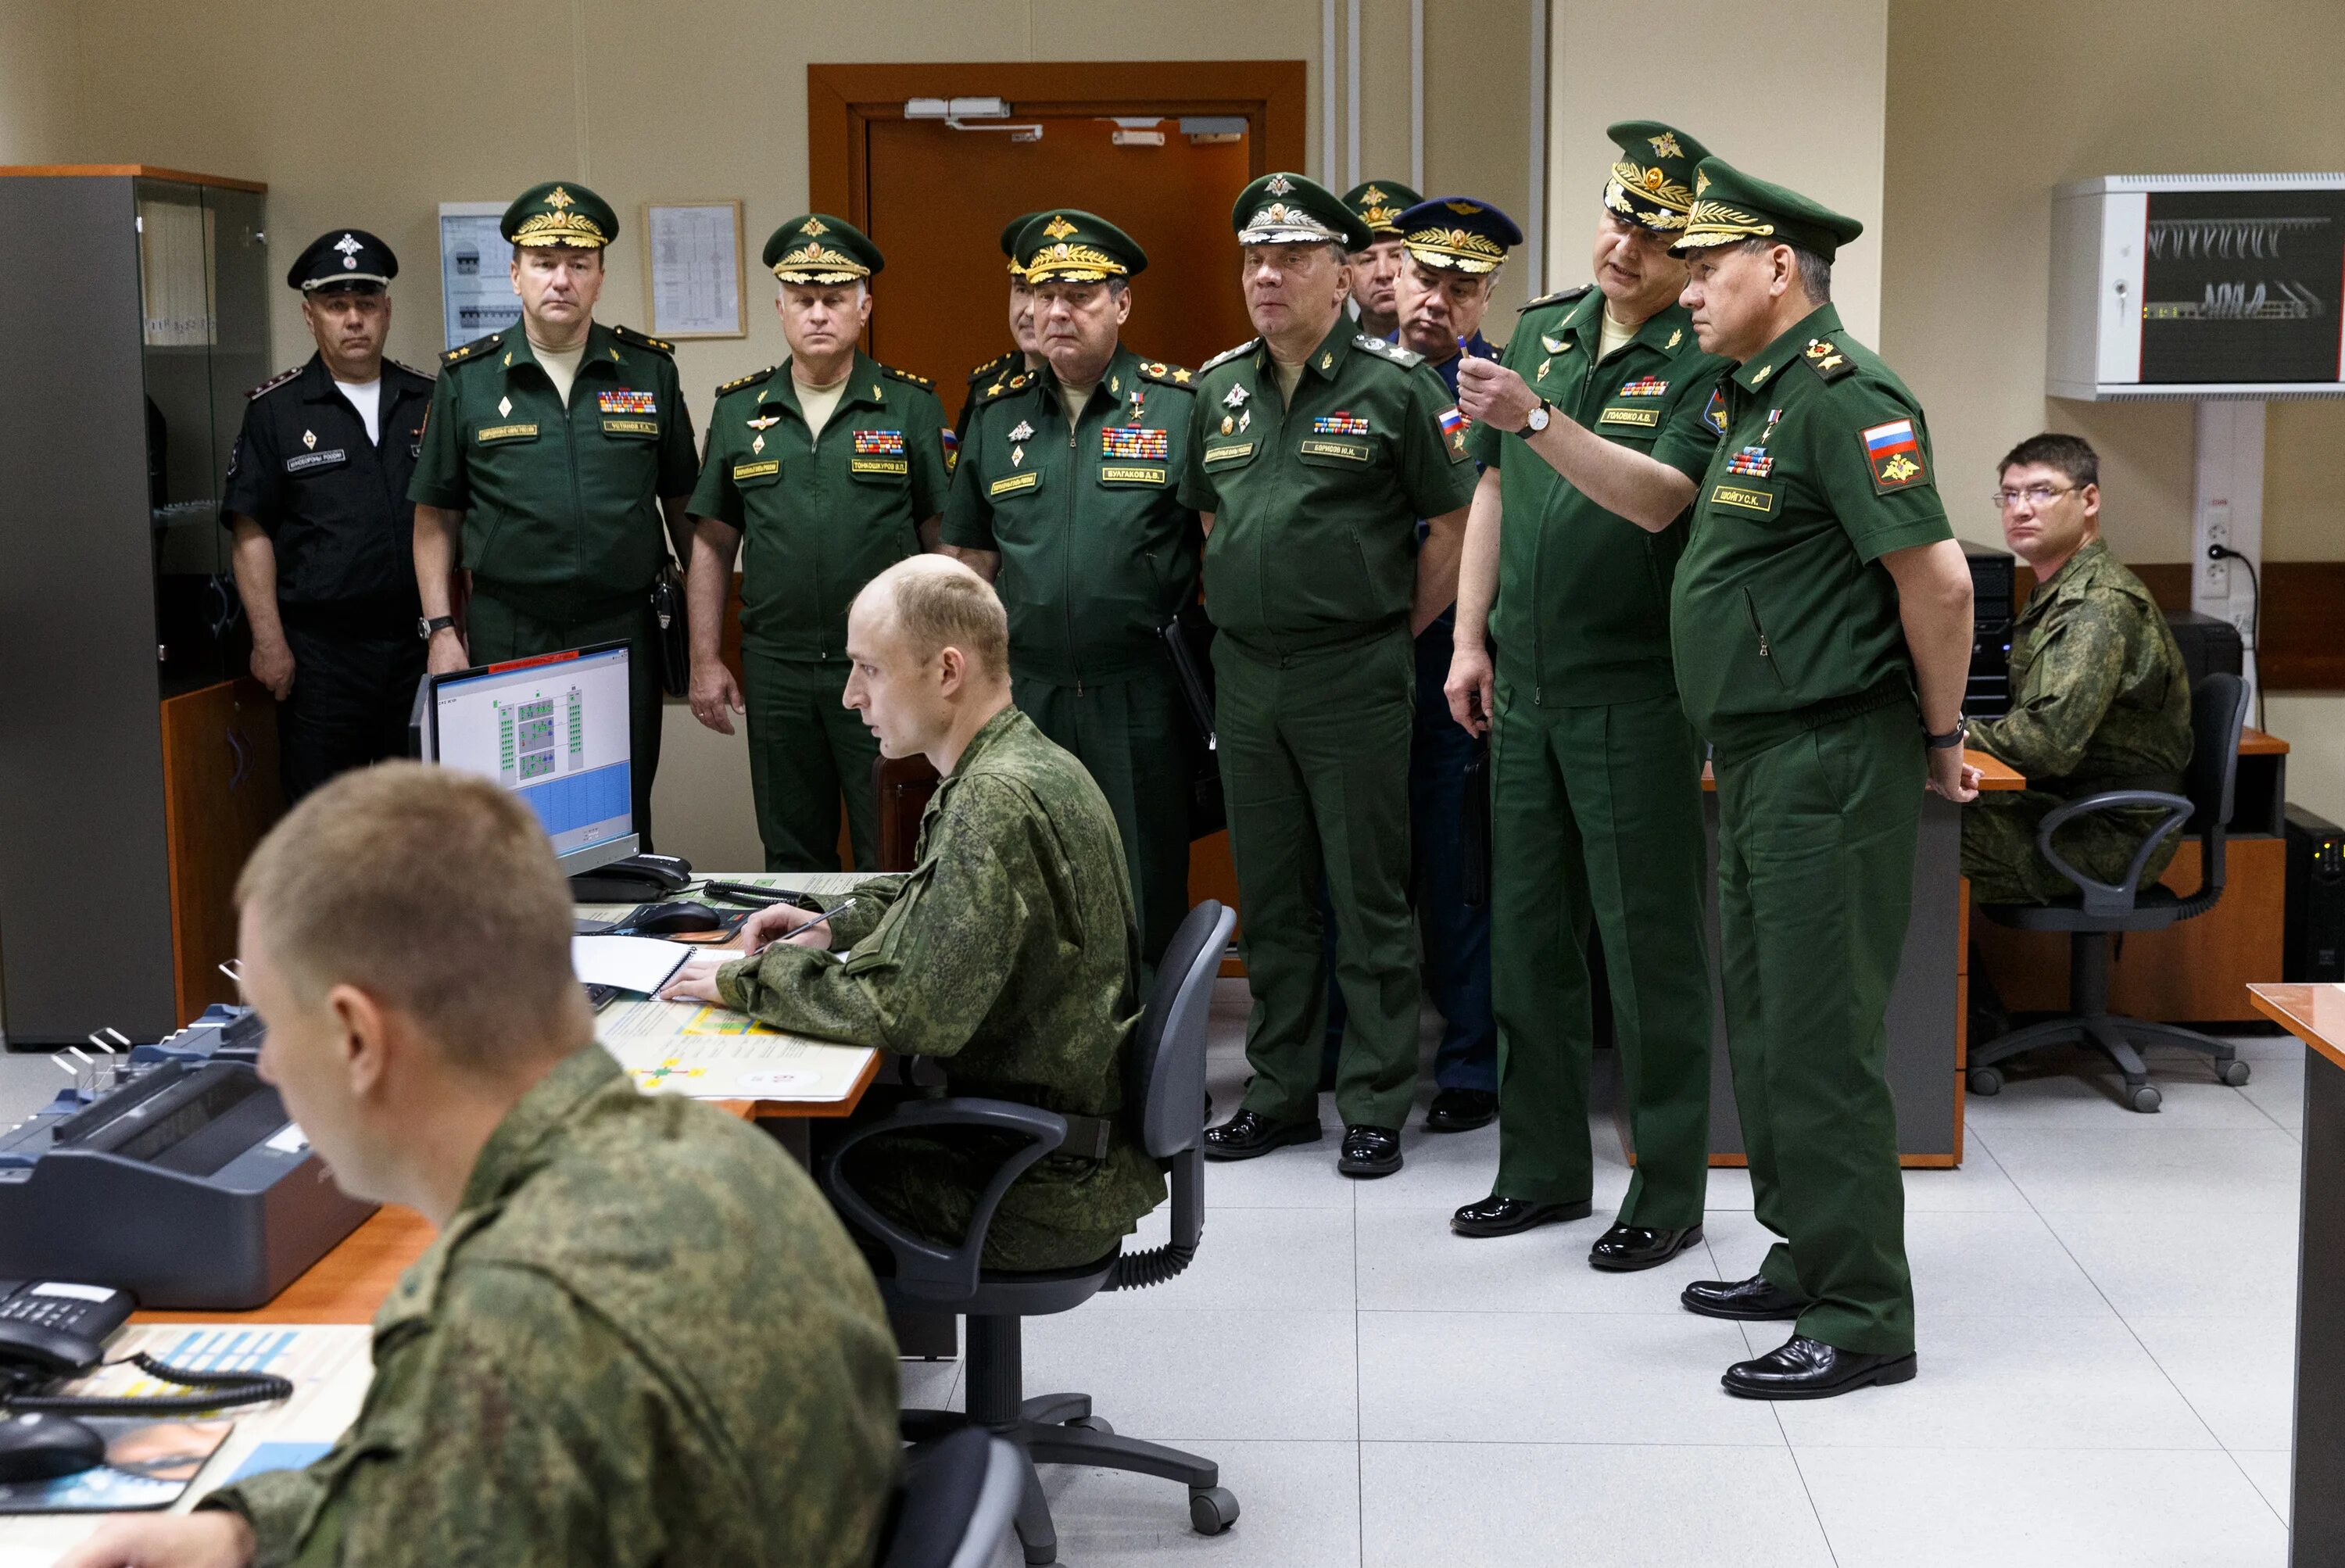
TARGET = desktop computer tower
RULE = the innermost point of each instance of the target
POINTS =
(2209, 645)
(2312, 943)
(1987, 694)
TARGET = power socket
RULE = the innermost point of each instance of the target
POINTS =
(2219, 572)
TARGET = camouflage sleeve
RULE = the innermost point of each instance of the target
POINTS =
(927, 974)
(516, 1428)
(2080, 660)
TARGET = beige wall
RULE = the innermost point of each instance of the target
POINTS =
(437, 101)
(1791, 92)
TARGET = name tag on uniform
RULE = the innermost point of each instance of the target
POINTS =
(764, 470)
(631, 427)
(489, 433)
(1229, 454)
(1749, 499)
(1644, 418)
(880, 465)
(1012, 486)
(1342, 449)
(1114, 474)
(315, 460)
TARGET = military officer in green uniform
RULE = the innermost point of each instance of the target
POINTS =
(557, 456)
(1376, 265)
(1596, 777)
(1821, 624)
(641, 1334)
(822, 472)
(1025, 351)
(1067, 499)
(1009, 953)
(2099, 696)
(1316, 449)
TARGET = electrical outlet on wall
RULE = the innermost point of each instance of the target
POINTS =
(2219, 532)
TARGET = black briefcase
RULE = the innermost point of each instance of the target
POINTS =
(1188, 639)
(675, 634)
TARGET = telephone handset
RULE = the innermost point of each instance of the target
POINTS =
(53, 1329)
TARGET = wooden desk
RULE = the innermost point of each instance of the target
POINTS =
(2198, 971)
(349, 1283)
(2316, 1015)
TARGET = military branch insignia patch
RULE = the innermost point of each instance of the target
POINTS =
(763, 421)
(1828, 363)
(1714, 414)
(1454, 425)
(627, 402)
(1643, 386)
(1135, 441)
(1893, 454)
(952, 449)
(1021, 431)
(1341, 424)
(878, 444)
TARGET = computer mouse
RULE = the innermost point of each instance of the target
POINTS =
(662, 920)
(35, 1446)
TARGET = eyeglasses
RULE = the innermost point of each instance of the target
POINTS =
(2034, 495)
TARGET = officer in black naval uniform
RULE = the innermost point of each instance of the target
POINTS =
(317, 498)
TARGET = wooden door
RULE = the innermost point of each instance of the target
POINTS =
(935, 200)
(221, 793)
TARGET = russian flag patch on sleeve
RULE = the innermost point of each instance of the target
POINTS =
(1453, 426)
(1893, 455)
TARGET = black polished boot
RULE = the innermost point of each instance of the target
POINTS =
(1805, 1368)
(1624, 1249)
(1249, 1134)
(1751, 1300)
(1369, 1151)
(1496, 1216)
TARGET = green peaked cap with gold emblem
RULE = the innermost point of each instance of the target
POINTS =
(560, 212)
(1010, 232)
(1295, 209)
(1062, 245)
(1380, 203)
(1651, 182)
(1729, 206)
(815, 249)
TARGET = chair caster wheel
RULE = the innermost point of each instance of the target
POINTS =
(1985, 1082)
(1212, 1510)
(2234, 1073)
(1092, 1424)
(2144, 1097)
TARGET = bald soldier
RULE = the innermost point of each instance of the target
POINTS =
(641, 1335)
(1009, 953)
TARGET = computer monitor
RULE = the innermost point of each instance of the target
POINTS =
(554, 730)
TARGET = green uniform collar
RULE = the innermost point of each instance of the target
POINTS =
(2085, 564)
(1326, 361)
(865, 384)
(1121, 375)
(603, 348)
(990, 735)
(1665, 332)
(1768, 363)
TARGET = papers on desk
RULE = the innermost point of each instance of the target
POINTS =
(643, 964)
(713, 1052)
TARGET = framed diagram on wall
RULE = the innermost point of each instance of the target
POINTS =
(476, 292)
(692, 276)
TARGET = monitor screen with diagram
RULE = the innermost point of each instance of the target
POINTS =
(554, 730)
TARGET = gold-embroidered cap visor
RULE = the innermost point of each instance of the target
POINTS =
(1729, 206)
(815, 250)
(558, 213)
(1379, 204)
(1459, 233)
(1066, 246)
(1455, 247)
(1291, 210)
(1651, 182)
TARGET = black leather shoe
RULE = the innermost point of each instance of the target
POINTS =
(1496, 1216)
(1461, 1111)
(1369, 1151)
(1805, 1368)
(1247, 1135)
(1627, 1247)
(1751, 1300)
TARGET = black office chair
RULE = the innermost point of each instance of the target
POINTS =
(954, 1506)
(1164, 1100)
(2218, 708)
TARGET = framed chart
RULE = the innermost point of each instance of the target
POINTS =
(693, 275)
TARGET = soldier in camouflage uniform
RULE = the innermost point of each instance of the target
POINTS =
(2099, 697)
(1010, 950)
(641, 1335)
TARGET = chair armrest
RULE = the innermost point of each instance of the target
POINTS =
(2111, 898)
(923, 1268)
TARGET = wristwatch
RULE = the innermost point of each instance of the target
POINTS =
(425, 628)
(1952, 737)
(1540, 417)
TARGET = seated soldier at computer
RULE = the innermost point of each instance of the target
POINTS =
(2099, 697)
(1010, 951)
(642, 1335)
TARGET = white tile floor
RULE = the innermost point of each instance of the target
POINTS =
(2107, 1305)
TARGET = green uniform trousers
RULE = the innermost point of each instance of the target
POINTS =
(495, 631)
(2000, 856)
(1595, 817)
(1135, 742)
(1815, 882)
(1314, 768)
(807, 749)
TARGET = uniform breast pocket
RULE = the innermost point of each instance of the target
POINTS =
(1324, 452)
(1134, 475)
(1631, 422)
(516, 433)
(756, 473)
(878, 457)
(631, 429)
(309, 464)
(1220, 456)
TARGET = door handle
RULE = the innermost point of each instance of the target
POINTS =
(243, 759)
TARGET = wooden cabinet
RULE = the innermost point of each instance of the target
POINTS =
(220, 794)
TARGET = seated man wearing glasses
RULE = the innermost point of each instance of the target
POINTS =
(2099, 699)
